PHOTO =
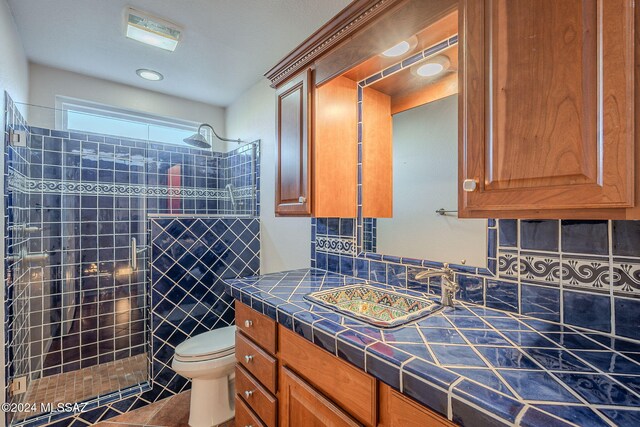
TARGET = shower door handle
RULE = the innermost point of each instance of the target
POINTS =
(133, 254)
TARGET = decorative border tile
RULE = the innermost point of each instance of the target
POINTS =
(508, 264)
(336, 244)
(626, 276)
(18, 182)
(539, 268)
(589, 273)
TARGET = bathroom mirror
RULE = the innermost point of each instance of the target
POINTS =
(409, 121)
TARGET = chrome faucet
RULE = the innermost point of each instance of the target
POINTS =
(448, 287)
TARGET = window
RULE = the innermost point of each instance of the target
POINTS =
(84, 116)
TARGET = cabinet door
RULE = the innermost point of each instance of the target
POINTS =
(302, 405)
(546, 105)
(397, 410)
(293, 169)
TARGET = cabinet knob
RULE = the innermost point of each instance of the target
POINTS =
(248, 358)
(470, 185)
(302, 199)
(248, 393)
(248, 323)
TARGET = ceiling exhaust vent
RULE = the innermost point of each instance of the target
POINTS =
(152, 30)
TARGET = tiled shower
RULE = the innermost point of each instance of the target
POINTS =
(78, 310)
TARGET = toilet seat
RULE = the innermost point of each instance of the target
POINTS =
(210, 345)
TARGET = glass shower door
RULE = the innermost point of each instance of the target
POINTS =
(76, 209)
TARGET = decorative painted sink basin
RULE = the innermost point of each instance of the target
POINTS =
(379, 307)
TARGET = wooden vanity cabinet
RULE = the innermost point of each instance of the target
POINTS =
(546, 108)
(314, 387)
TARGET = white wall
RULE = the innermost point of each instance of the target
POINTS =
(14, 78)
(46, 82)
(425, 179)
(285, 242)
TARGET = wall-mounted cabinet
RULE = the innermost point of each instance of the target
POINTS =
(293, 169)
(317, 147)
(546, 108)
(546, 94)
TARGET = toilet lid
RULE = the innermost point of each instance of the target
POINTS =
(209, 345)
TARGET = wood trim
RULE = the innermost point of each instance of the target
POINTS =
(403, 20)
(345, 23)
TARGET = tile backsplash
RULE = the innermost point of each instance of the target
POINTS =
(581, 273)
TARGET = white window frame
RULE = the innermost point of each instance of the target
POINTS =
(65, 104)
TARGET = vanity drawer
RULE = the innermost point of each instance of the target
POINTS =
(263, 403)
(245, 416)
(256, 361)
(257, 326)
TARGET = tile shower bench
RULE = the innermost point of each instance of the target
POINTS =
(475, 365)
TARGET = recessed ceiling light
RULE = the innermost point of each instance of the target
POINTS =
(433, 66)
(152, 30)
(401, 48)
(154, 76)
(397, 50)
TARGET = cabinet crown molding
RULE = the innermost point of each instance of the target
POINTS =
(344, 24)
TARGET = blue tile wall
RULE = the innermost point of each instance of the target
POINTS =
(189, 259)
(587, 276)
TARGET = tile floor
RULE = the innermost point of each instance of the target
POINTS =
(80, 385)
(170, 412)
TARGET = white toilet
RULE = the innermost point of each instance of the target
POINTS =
(208, 360)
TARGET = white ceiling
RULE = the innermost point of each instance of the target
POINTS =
(227, 44)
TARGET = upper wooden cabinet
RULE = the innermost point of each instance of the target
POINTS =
(546, 108)
(293, 168)
(335, 149)
(547, 95)
(317, 147)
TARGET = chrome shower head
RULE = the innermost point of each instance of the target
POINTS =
(198, 140)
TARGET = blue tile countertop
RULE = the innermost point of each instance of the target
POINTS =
(476, 366)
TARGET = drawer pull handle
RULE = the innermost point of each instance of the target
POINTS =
(248, 358)
(248, 323)
(249, 425)
(248, 393)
